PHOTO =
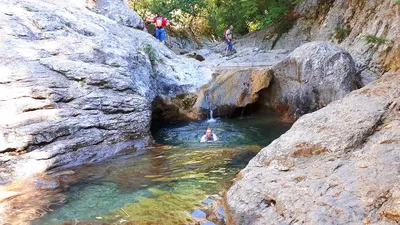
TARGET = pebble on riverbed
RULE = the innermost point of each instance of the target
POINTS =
(198, 214)
(207, 223)
(208, 201)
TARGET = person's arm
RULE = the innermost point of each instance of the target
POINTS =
(215, 138)
(151, 20)
(203, 139)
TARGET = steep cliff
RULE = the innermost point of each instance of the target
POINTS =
(76, 86)
(368, 30)
(340, 164)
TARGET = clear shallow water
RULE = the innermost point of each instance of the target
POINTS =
(163, 184)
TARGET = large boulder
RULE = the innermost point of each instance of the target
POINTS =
(119, 12)
(232, 89)
(77, 86)
(347, 23)
(338, 165)
(311, 77)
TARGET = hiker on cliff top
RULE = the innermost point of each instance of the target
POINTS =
(209, 136)
(160, 23)
(228, 36)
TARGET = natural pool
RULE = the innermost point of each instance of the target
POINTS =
(162, 185)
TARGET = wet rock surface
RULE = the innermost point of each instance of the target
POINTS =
(338, 165)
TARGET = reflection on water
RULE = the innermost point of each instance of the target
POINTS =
(162, 184)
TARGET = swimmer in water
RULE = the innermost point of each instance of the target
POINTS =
(209, 136)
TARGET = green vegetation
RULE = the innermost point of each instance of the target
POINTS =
(27, 8)
(211, 17)
(341, 32)
(373, 39)
(103, 83)
(397, 2)
(82, 82)
(151, 52)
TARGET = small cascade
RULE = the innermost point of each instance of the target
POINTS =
(211, 119)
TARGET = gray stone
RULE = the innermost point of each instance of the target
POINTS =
(77, 86)
(118, 11)
(326, 20)
(232, 89)
(208, 201)
(207, 223)
(311, 77)
(307, 79)
(198, 214)
(341, 165)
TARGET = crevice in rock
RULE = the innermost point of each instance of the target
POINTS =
(268, 201)
(246, 110)
(9, 150)
(375, 128)
(48, 106)
(173, 109)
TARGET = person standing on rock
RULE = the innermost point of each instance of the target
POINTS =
(228, 40)
(160, 23)
(209, 136)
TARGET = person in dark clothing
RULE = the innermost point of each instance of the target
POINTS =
(228, 40)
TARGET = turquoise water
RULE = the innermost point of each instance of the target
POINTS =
(163, 184)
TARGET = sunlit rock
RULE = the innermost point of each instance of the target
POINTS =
(77, 86)
(341, 165)
(311, 77)
(232, 89)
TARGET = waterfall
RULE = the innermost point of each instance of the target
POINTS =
(211, 119)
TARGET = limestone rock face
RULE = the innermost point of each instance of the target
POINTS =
(119, 12)
(77, 86)
(348, 23)
(233, 89)
(311, 77)
(338, 165)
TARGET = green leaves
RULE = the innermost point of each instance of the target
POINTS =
(373, 39)
(213, 16)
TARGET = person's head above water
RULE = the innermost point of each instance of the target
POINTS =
(209, 136)
(209, 133)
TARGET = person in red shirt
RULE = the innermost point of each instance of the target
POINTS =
(160, 23)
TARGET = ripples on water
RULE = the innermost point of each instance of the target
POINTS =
(160, 185)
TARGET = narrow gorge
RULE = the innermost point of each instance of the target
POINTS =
(100, 122)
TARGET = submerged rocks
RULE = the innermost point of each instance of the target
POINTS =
(198, 214)
(311, 77)
(339, 165)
